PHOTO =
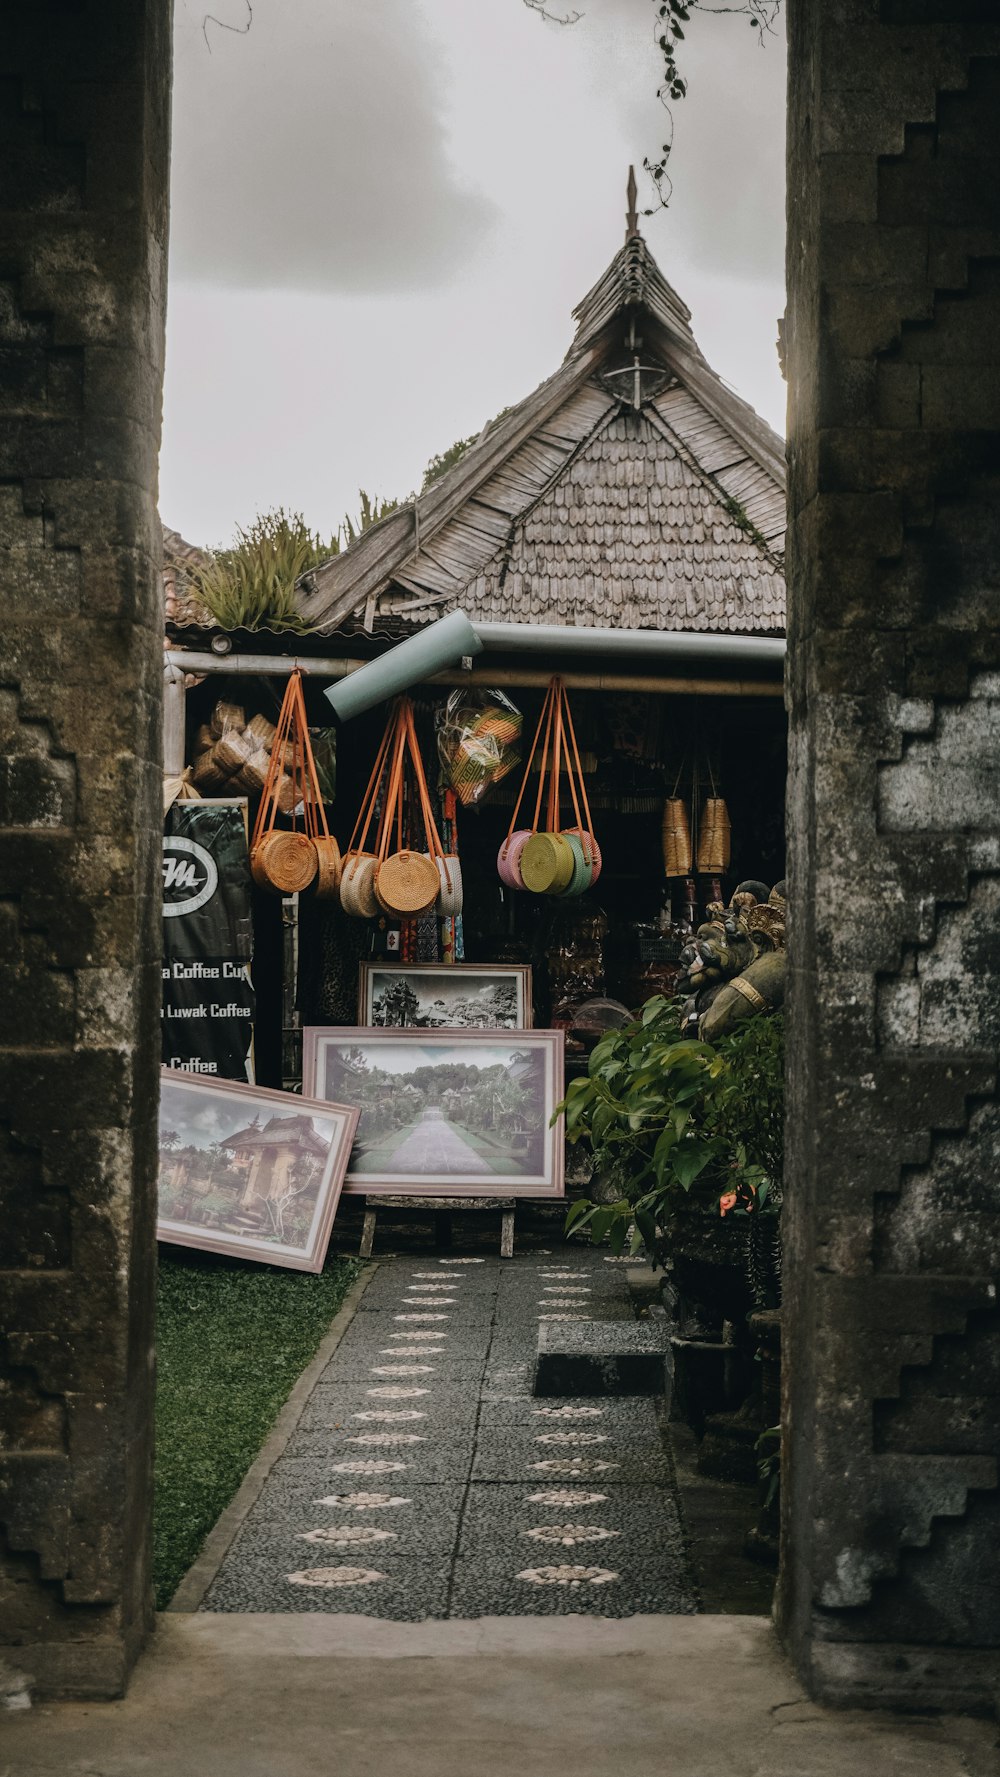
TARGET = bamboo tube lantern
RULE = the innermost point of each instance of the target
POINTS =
(677, 854)
(714, 838)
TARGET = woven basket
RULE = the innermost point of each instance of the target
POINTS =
(407, 884)
(327, 881)
(357, 884)
(714, 838)
(206, 774)
(262, 731)
(284, 862)
(547, 864)
(203, 738)
(677, 856)
(227, 718)
(253, 777)
(230, 755)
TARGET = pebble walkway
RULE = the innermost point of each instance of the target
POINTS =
(425, 1480)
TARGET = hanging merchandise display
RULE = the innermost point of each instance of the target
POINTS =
(397, 877)
(550, 859)
(287, 862)
(479, 735)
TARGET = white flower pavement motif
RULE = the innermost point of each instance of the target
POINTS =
(364, 1502)
(419, 1289)
(347, 1535)
(566, 1535)
(385, 1437)
(419, 1334)
(421, 1317)
(411, 1351)
(568, 1576)
(369, 1466)
(564, 1496)
(566, 1289)
(386, 1391)
(573, 1465)
(335, 1576)
(391, 1413)
(564, 1301)
(429, 1301)
(562, 1317)
(402, 1369)
(569, 1412)
(461, 1261)
(571, 1437)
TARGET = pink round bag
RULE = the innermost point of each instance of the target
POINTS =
(509, 858)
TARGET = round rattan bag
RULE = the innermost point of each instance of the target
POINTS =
(546, 864)
(329, 867)
(407, 884)
(357, 885)
(285, 862)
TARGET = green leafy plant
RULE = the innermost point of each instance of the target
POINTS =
(252, 584)
(669, 1118)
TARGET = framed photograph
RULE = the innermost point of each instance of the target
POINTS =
(249, 1172)
(464, 1113)
(459, 996)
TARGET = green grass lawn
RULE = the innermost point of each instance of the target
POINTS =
(231, 1340)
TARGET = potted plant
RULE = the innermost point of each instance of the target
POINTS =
(687, 1143)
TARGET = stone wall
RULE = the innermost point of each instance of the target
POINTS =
(890, 1585)
(84, 123)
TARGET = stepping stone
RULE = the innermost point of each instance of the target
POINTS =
(602, 1357)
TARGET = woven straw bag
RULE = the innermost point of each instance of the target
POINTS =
(541, 858)
(327, 882)
(407, 884)
(357, 885)
(547, 863)
(287, 863)
(451, 895)
(284, 862)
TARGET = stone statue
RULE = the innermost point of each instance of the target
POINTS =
(735, 964)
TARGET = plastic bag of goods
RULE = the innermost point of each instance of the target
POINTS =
(479, 742)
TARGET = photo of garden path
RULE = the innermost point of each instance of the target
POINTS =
(429, 1111)
(423, 1479)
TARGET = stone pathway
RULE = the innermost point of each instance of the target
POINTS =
(425, 1480)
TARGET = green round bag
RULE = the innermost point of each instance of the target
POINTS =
(547, 863)
(583, 872)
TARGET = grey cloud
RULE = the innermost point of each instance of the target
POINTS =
(310, 152)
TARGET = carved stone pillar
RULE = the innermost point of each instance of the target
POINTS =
(84, 97)
(890, 1583)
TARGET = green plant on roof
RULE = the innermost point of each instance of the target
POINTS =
(251, 585)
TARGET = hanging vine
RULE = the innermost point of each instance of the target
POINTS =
(668, 30)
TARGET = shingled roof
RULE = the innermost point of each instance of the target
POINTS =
(632, 488)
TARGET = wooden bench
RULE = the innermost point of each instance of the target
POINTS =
(442, 1208)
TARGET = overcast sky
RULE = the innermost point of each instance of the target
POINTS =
(385, 210)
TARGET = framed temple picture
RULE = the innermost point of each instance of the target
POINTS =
(454, 996)
(461, 1112)
(250, 1172)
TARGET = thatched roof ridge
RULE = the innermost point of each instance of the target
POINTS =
(717, 539)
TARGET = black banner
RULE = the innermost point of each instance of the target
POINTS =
(206, 882)
(208, 1003)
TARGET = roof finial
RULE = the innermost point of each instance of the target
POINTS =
(632, 216)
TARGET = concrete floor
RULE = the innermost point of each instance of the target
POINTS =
(307, 1695)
